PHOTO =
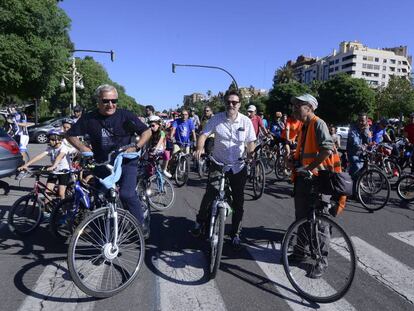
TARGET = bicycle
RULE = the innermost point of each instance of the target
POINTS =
(180, 164)
(372, 186)
(405, 187)
(309, 244)
(220, 210)
(107, 250)
(153, 186)
(282, 170)
(256, 174)
(27, 212)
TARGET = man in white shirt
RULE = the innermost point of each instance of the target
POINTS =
(234, 134)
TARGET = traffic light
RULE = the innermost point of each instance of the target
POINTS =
(112, 55)
(173, 67)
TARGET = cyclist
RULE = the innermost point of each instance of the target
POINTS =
(182, 130)
(77, 113)
(276, 128)
(59, 157)
(208, 113)
(359, 136)
(108, 131)
(233, 132)
(194, 117)
(157, 143)
(257, 121)
(149, 112)
(313, 153)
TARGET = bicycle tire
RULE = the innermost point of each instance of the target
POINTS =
(156, 197)
(391, 169)
(338, 274)
(62, 222)
(258, 179)
(370, 189)
(87, 226)
(216, 242)
(280, 169)
(182, 171)
(405, 188)
(29, 209)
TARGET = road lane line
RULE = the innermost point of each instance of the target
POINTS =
(384, 268)
(406, 237)
(182, 282)
(55, 291)
(268, 257)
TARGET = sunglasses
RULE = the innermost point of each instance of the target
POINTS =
(185, 114)
(106, 101)
(232, 102)
(154, 124)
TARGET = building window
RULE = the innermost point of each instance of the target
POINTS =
(336, 68)
(392, 69)
(398, 70)
(348, 57)
(383, 76)
(384, 61)
(331, 62)
(384, 67)
(392, 61)
(399, 62)
(336, 61)
(377, 59)
(348, 65)
(376, 67)
(331, 69)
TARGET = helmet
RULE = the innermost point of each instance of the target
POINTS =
(67, 120)
(154, 119)
(55, 134)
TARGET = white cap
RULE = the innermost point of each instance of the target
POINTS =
(154, 118)
(251, 108)
(306, 98)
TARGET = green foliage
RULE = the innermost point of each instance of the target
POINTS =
(34, 45)
(397, 98)
(342, 97)
(284, 74)
(280, 95)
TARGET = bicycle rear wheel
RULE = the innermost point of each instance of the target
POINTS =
(216, 242)
(25, 214)
(259, 179)
(182, 171)
(95, 266)
(308, 244)
(405, 188)
(280, 170)
(373, 189)
(161, 195)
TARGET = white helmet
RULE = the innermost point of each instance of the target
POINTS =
(154, 118)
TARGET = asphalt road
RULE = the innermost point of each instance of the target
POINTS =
(34, 274)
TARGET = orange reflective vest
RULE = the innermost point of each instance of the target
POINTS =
(310, 152)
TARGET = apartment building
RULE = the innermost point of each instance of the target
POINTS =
(376, 66)
(189, 100)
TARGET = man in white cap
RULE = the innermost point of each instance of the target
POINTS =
(256, 120)
(315, 146)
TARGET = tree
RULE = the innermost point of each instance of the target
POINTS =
(342, 98)
(395, 99)
(34, 44)
(280, 95)
(284, 74)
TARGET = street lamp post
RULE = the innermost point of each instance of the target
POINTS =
(205, 66)
(76, 78)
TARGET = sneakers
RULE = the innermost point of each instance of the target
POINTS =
(196, 231)
(317, 271)
(236, 243)
(167, 173)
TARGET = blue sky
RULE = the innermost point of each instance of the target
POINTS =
(251, 39)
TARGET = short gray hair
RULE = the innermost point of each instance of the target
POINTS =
(104, 88)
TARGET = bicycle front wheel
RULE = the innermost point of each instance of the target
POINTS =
(259, 179)
(96, 266)
(25, 214)
(405, 188)
(319, 259)
(216, 242)
(373, 189)
(182, 171)
(281, 172)
(161, 193)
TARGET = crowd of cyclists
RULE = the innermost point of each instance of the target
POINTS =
(305, 143)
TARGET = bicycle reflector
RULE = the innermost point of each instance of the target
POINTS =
(10, 146)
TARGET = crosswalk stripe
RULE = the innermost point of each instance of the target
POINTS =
(268, 257)
(406, 237)
(182, 284)
(55, 291)
(385, 269)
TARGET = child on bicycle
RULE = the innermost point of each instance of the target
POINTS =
(59, 157)
(157, 143)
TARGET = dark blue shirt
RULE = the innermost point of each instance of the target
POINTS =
(107, 133)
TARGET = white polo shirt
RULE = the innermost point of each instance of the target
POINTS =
(230, 138)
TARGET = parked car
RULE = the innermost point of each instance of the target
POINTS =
(342, 131)
(38, 133)
(10, 157)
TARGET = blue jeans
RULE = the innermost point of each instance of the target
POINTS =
(127, 185)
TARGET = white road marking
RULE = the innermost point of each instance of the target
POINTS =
(268, 257)
(182, 284)
(406, 237)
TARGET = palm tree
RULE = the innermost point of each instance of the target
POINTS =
(284, 74)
